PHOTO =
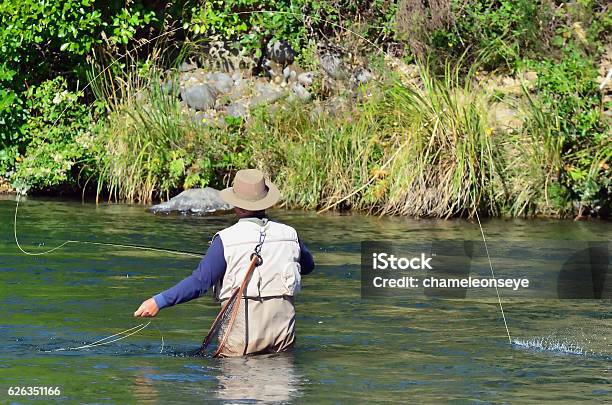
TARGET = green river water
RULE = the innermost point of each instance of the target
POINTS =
(348, 350)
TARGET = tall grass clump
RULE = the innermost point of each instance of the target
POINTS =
(151, 146)
(424, 149)
(319, 157)
(533, 160)
(447, 164)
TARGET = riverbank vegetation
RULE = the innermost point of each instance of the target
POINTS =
(497, 107)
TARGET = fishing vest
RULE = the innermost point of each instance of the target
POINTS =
(278, 275)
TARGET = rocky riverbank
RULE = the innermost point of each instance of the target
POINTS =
(211, 97)
(341, 124)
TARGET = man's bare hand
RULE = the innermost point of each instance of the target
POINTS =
(147, 309)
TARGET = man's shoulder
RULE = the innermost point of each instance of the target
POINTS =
(233, 232)
(283, 228)
(240, 228)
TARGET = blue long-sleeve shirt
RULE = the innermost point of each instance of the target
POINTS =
(210, 270)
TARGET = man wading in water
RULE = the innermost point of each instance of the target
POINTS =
(265, 321)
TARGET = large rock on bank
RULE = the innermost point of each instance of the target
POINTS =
(200, 96)
(196, 201)
(332, 65)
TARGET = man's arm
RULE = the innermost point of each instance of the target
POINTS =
(306, 261)
(209, 271)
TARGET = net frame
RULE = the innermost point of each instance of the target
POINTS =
(226, 318)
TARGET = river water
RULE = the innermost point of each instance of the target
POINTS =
(348, 350)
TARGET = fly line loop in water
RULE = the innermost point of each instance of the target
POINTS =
(109, 339)
(120, 335)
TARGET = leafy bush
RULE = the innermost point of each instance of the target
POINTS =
(505, 30)
(43, 40)
(12, 118)
(569, 94)
(58, 134)
(500, 30)
(245, 23)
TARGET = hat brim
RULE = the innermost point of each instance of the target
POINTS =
(268, 201)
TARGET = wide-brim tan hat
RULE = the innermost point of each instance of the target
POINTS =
(251, 191)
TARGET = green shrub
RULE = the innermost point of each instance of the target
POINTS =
(12, 118)
(245, 23)
(59, 137)
(41, 40)
(569, 95)
(496, 32)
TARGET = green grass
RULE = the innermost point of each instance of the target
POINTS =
(405, 150)
(151, 148)
(427, 148)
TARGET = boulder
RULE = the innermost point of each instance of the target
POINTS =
(289, 74)
(196, 201)
(332, 65)
(199, 96)
(510, 86)
(266, 93)
(221, 82)
(335, 106)
(408, 72)
(530, 76)
(265, 68)
(237, 110)
(301, 93)
(505, 117)
(361, 76)
(207, 118)
(5, 186)
(240, 91)
(237, 76)
(306, 78)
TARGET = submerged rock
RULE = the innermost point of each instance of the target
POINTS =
(196, 201)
